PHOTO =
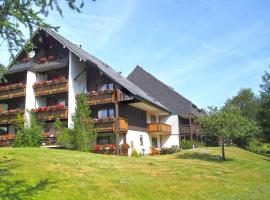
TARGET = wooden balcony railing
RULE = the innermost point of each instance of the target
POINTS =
(51, 87)
(6, 140)
(186, 129)
(159, 128)
(51, 114)
(9, 117)
(41, 63)
(101, 97)
(112, 125)
(12, 91)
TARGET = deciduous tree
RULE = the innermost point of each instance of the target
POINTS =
(227, 124)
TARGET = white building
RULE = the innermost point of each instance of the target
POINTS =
(138, 110)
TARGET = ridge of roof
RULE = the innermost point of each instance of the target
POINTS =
(180, 105)
(163, 83)
(105, 68)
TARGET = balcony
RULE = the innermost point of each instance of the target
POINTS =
(102, 97)
(111, 125)
(40, 64)
(9, 117)
(55, 86)
(51, 113)
(6, 140)
(159, 129)
(12, 91)
(187, 129)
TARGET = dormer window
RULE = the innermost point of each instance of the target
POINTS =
(106, 86)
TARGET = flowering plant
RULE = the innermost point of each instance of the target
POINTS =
(18, 110)
(104, 120)
(8, 136)
(44, 82)
(4, 86)
(103, 147)
(93, 93)
(49, 108)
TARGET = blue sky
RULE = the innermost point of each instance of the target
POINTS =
(205, 50)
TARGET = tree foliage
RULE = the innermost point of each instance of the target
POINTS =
(28, 134)
(227, 124)
(83, 131)
(264, 111)
(246, 101)
(18, 14)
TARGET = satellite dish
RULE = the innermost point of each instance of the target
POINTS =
(31, 54)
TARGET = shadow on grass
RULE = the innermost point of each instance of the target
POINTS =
(17, 189)
(202, 156)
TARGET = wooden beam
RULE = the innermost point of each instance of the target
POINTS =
(190, 126)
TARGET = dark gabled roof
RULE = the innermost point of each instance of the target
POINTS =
(176, 103)
(106, 69)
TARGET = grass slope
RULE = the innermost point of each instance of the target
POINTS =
(29, 173)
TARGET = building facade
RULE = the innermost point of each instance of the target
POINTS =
(48, 79)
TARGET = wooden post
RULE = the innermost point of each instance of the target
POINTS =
(190, 126)
(116, 128)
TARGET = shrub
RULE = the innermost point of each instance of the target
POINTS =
(28, 135)
(257, 146)
(167, 150)
(135, 153)
(186, 144)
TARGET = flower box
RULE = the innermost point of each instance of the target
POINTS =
(57, 85)
(103, 148)
(47, 113)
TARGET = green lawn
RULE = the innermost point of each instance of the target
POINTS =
(29, 173)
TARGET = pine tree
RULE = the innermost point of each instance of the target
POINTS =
(84, 130)
(264, 113)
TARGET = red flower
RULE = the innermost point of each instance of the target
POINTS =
(51, 58)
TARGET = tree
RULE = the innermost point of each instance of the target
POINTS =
(264, 111)
(226, 124)
(28, 135)
(2, 72)
(83, 132)
(29, 14)
(246, 101)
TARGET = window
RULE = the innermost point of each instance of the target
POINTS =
(61, 101)
(154, 141)
(106, 113)
(103, 140)
(141, 140)
(106, 86)
(153, 119)
(141, 115)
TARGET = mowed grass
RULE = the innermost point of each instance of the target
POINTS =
(39, 173)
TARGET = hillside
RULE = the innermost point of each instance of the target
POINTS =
(29, 173)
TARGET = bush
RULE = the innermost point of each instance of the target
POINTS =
(186, 144)
(135, 153)
(167, 150)
(28, 135)
(257, 146)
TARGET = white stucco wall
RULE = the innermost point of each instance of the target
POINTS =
(134, 137)
(173, 139)
(75, 86)
(30, 100)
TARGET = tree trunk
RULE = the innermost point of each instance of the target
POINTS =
(222, 149)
